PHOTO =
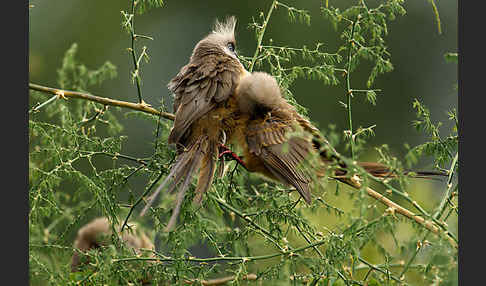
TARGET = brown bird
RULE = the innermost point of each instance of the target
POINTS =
(96, 234)
(204, 105)
(218, 101)
(280, 144)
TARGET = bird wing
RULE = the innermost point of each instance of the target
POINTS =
(198, 88)
(282, 155)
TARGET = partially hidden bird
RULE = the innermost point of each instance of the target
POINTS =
(280, 144)
(97, 234)
(217, 101)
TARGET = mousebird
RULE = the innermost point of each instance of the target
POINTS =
(217, 101)
(277, 141)
(204, 107)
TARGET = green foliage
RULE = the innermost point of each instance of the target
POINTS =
(143, 6)
(442, 149)
(245, 225)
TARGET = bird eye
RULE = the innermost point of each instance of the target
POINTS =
(231, 47)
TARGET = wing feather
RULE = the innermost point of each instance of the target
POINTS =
(198, 88)
(283, 157)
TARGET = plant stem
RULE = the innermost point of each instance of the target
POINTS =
(386, 272)
(136, 73)
(260, 37)
(228, 258)
(140, 199)
(266, 233)
(436, 13)
(349, 90)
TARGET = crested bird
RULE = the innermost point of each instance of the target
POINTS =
(204, 106)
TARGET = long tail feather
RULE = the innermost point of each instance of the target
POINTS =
(382, 171)
(187, 162)
(200, 155)
(206, 173)
(181, 194)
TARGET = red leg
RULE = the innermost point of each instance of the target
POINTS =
(227, 151)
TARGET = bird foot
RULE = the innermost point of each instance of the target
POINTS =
(226, 151)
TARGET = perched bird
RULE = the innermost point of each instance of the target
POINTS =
(280, 144)
(218, 101)
(96, 234)
(204, 105)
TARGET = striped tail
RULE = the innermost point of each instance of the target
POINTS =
(375, 169)
(382, 171)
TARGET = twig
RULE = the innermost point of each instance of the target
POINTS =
(403, 211)
(140, 200)
(436, 13)
(386, 271)
(39, 106)
(103, 100)
(265, 232)
(223, 280)
(349, 90)
(225, 258)
(136, 73)
(260, 37)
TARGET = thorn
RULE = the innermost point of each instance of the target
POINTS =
(390, 211)
(60, 94)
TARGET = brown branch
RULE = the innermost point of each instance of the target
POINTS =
(395, 208)
(143, 107)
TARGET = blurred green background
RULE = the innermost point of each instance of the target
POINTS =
(417, 53)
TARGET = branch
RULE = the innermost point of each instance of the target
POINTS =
(60, 93)
(260, 37)
(393, 207)
(220, 281)
(263, 231)
(241, 259)
(349, 92)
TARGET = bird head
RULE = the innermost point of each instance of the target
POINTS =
(259, 92)
(221, 41)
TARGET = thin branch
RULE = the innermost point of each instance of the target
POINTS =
(265, 232)
(136, 72)
(39, 106)
(349, 90)
(393, 207)
(376, 268)
(241, 259)
(223, 280)
(139, 200)
(260, 37)
(102, 100)
(436, 13)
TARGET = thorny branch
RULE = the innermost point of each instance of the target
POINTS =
(65, 94)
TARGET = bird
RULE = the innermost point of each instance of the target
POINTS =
(280, 144)
(216, 102)
(204, 108)
(96, 233)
